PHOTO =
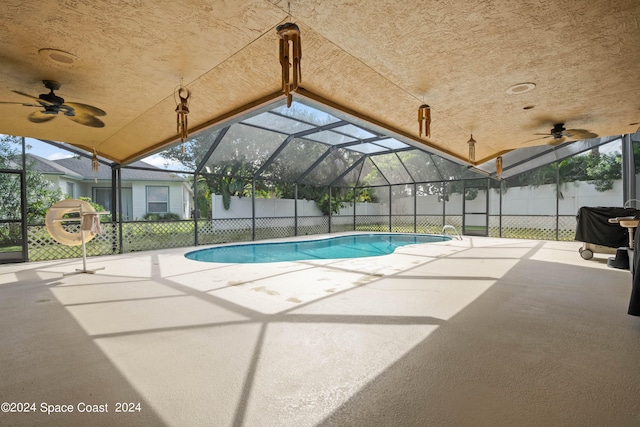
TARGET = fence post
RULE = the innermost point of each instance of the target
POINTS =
(415, 207)
(390, 211)
(195, 209)
(295, 210)
(330, 209)
(253, 209)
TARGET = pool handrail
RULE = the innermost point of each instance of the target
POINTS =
(451, 227)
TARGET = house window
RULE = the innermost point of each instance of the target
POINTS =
(102, 196)
(70, 189)
(157, 199)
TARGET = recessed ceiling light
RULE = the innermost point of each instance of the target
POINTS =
(521, 88)
(58, 56)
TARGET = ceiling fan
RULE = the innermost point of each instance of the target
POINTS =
(560, 133)
(53, 104)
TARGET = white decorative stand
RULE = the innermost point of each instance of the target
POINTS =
(54, 220)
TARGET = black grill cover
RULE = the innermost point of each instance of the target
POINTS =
(594, 227)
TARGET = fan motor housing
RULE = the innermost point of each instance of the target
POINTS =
(51, 98)
(557, 130)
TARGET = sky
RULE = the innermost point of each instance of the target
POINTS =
(50, 152)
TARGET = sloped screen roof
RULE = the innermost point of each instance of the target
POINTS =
(307, 145)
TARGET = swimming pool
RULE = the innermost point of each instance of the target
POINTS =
(350, 246)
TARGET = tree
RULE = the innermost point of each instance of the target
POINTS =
(603, 170)
(40, 192)
(244, 150)
(600, 170)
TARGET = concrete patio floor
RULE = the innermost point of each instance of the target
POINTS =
(478, 332)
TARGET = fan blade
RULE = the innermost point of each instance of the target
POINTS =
(40, 117)
(556, 141)
(26, 94)
(42, 102)
(67, 110)
(581, 134)
(22, 103)
(86, 109)
(537, 139)
(87, 120)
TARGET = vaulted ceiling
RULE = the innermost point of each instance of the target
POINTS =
(373, 60)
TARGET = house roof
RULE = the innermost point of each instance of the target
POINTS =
(80, 168)
(377, 61)
(50, 167)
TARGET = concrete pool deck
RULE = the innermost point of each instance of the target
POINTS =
(478, 332)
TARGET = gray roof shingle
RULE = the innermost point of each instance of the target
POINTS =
(80, 168)
(47, 166)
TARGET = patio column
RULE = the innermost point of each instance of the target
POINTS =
(628, 170)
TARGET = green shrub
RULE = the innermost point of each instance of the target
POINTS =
(169, 216)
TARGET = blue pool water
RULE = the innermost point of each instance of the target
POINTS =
(352, 246)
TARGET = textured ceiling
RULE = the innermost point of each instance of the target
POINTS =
(374, 59)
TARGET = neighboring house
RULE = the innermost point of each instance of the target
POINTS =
(143, 191)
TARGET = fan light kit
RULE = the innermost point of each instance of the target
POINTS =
(557, 130)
